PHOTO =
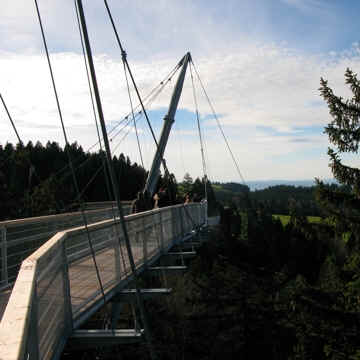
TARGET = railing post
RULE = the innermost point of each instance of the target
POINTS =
(67, 294)
(173, 225)
(4, 270)
(161, 232)
(182, 213)
(144, 240)
(112, 237)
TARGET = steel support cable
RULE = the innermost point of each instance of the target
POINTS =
(13, 125)
(122, 139)
(114, 179)
(205, 179)
(161, 86)
(108, 187)
(139, 115)
(149, 98)
(124, 127)
(125, 119)
(87, 76)
(113, 210)
(84, 188)
(11, 120)
(132, 113)
(68, 152)
(199, 130)
(82, 164)
(153, 93)
(69, 173)
(219, 125)
(197, 228)
(123, 54)
(31, 166)
(181, 146)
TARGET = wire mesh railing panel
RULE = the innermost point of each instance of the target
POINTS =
(121, 250)
(151, 235)
(167, 226)
(50, 300)
(51, 324)
(157, 218)
(135, 228)
(177, 225)
(190, 219)
(20, 238)
(83, 278)
(3, 258)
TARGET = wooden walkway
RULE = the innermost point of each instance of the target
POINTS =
(58, 287)
(83, 279)
(84, 282)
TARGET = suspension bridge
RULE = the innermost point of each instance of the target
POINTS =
(58, 270)
(57, 288)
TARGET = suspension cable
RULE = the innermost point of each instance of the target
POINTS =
(199, 130)
(87, 76)
(11, 120)
(219, 125)
(114, 180)
(68, 153)
(107, 182)
(149, 98)
(124, 57)
(32, 168)
(132, 113)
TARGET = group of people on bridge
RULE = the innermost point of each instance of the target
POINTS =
(162, 198)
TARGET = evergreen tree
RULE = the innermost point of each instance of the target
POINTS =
(344, 134)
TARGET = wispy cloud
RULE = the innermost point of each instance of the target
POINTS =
(308, 6)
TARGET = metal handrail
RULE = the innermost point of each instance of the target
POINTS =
(19, 238)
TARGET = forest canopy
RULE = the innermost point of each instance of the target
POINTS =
(36, 180)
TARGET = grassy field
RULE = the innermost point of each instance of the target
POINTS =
(286, 218)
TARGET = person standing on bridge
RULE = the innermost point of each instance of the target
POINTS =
(139, 204)
(187, 199)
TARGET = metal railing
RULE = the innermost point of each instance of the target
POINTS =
(20, 238)
(57, 284)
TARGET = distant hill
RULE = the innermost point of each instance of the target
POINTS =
(263, 184)
(274, 194)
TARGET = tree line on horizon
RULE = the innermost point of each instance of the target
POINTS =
(279, 199)
(36, 180)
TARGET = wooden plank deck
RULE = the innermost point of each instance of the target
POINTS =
(84, 284)
(83, 279)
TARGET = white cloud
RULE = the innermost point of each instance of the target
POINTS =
(266, 86)
(253, 86)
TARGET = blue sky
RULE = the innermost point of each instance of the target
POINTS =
(260, 61)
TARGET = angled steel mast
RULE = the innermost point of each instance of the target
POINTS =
(169, 118)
